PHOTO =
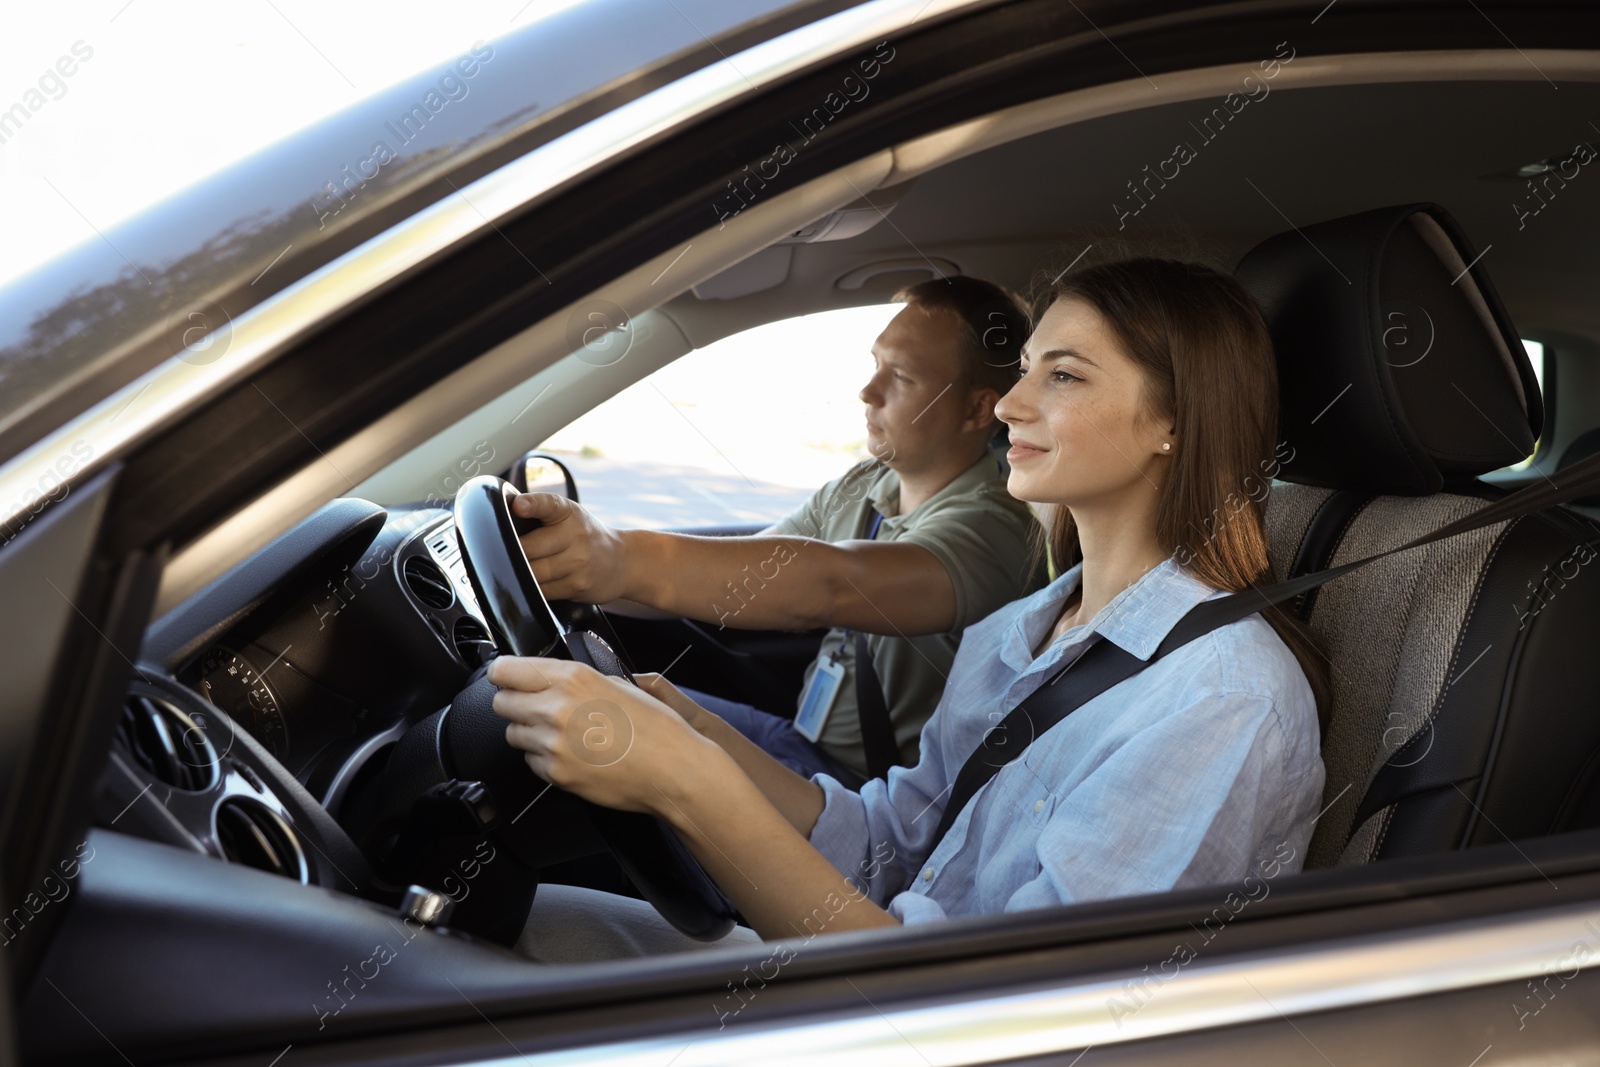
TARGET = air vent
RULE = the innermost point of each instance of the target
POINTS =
(428, 583)
(472, 641)
(254, 835)
(166, 742)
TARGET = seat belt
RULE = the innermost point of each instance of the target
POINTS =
(1103, 664)
(877, 728)
(878, 743)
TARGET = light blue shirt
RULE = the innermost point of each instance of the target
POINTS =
(1203, 768)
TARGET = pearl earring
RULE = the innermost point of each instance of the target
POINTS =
(1166, 445)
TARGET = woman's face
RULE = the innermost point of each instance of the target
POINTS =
(1078, 431)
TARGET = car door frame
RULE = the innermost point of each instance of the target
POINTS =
(926, 968)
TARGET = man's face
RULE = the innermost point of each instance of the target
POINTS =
(915, 400)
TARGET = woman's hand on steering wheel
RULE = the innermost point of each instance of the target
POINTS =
(607, 741)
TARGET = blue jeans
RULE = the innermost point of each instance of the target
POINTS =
(777, 737)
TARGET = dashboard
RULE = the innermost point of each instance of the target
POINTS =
(319, 652)
(290, 717)
(349, 650)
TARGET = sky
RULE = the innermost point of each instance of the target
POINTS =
(163, 93)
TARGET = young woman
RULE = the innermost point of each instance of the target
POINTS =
(1145, 407)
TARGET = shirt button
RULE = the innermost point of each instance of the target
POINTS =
(927, 874)
(1038, 805)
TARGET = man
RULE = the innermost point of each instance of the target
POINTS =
(951, 545)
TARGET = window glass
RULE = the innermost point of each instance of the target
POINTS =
(1536, 357)
(741, 431)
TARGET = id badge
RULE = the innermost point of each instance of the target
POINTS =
(818, 700)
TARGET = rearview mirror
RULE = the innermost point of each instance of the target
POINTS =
(540, 472)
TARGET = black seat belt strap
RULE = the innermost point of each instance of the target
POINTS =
(1099, 667)
(877, 728)
(878, 743)
(1103, 664)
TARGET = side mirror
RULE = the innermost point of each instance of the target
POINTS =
(540, 472)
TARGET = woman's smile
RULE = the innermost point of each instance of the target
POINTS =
(1021, 450)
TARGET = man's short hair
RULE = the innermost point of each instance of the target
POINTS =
(995, 323)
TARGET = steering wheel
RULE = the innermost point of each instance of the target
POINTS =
(647, 848)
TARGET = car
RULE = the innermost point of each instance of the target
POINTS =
(239, 434)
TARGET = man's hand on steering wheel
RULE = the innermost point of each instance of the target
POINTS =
(573, 555)
(598, 737)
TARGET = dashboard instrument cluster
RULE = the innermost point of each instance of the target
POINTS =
(355, 648)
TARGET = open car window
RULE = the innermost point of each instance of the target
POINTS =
(738, 432)
(1540, 356)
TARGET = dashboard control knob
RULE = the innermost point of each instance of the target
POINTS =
(427, 906)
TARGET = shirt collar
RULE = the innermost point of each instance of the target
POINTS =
(884, 492)
(1137, 619)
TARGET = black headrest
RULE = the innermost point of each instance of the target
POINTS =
(1399, 370)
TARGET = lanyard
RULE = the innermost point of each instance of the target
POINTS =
(872, 535)
(877, 521)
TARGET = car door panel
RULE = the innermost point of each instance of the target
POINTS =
(74, 620)
(1347, 954)
(263, 965)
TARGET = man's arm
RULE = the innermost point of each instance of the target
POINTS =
(635, 610)
(766, 582)
(791, 583)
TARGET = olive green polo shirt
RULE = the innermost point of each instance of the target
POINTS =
(982, 535)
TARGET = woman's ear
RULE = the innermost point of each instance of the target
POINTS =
(1158, 439)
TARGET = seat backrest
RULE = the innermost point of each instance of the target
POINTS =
(1583, 446)
(1465, 708)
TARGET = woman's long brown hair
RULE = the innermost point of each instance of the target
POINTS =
(1210, 375)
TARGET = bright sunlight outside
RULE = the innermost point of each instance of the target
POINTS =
(738, 432)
